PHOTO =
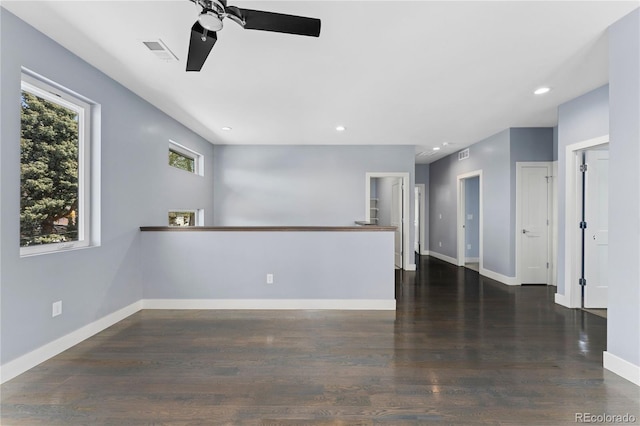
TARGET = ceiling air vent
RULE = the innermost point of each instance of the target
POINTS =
(162, 52)
(463, 155)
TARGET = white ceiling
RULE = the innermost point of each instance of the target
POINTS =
(409, 73)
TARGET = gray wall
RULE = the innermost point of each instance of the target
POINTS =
(490, 155)
(472, 226)
(422, 176)
(301, 184)
(623, 321)
(580, 119)
(137, 187)
(496, 156)
(305, 265)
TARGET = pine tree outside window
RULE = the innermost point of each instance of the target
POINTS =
(54, 168)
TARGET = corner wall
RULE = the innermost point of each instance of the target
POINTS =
(287, 185)
(137, 188)
(623, 320)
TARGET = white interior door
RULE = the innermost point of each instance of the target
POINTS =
(396, 219)
(596, 245)
(416, 222)
(533, 197)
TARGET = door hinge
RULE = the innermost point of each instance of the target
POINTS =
(583, 225)
(582, 282)
(583, 168)
(547, 265)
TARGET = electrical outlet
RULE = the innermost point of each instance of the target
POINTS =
(439, 243)
(56, 308)
(269, 278)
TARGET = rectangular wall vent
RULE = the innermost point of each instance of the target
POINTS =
(463, 155)
(162, 52)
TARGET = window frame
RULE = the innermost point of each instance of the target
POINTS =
(198, 215)
(198, 159)
(45, 89)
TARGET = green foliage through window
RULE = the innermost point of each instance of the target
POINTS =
(181, 161)
(182, 218)
(49, 146)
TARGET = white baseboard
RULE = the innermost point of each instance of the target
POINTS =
(562, 300)
(411, 267)
(443, 257)
(472, 259)
(498, 277)
(25, 362)
(267, 304)
(424, 253)
(621, 367)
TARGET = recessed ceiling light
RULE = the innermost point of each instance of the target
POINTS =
(226, 128)
(541, 90)
(436, 148)
(445, 143)
(341, 128)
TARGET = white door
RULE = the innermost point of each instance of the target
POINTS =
(396, 219)
(534, 225)
(416, 222)
(596, 247)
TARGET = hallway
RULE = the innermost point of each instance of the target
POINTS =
(460, 349)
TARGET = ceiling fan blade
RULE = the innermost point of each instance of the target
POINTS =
(199, 49)
(279, 23)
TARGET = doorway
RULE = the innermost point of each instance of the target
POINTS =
(586, 225)
(389, 192)
(419, 219)
(469, 231)
(533, 222)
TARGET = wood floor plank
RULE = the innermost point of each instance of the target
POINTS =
(460, 349)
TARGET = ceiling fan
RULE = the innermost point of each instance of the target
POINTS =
(203, 32)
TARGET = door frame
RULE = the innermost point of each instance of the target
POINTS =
(572, 248)
(460, 226)
(422, 219)
(519, 167)
(406, 212)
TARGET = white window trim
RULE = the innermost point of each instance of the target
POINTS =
(198, 159)
(198, 213)
(50, 91)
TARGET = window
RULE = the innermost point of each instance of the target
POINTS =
(185, 159)
(186, 217)
(54, 168)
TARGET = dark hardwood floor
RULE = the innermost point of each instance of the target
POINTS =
(460, 349)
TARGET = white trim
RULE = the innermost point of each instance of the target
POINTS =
(275, 304)
(25, 362)
(471, 259)
(198, 159)
(461, 217)
(498, 277)
(621, 367)
(407, 226)
(197, 213)
(518, 226)
(50, 91)
(444, 257)
(422, 219)
(412, 267)
(424, 253)
(571, 241)
(554, 223)
(562, 300)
